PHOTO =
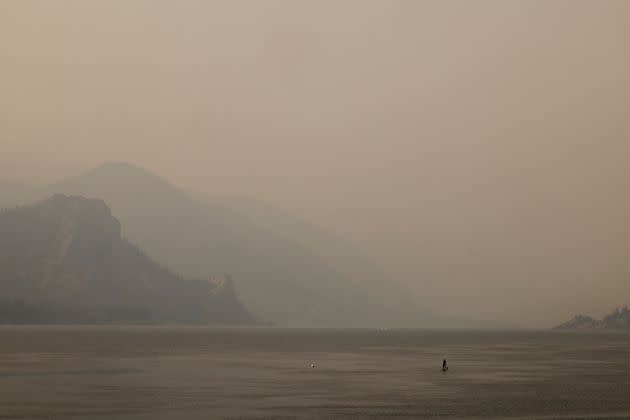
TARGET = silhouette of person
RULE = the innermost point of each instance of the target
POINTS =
(444, 364)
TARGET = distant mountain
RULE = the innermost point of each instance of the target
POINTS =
(64, 260)
(619, 319)
(350, 265)
(287, 271)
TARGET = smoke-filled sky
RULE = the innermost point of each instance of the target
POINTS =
(479, 151)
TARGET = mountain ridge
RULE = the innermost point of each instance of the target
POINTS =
(323, 283)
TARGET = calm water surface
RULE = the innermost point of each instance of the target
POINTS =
(202, 373)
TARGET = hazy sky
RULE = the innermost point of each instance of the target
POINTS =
(478, 150)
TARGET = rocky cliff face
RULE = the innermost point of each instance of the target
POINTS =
(64, 260)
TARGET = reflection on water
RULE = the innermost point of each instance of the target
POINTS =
(71, 372)
(163, 373)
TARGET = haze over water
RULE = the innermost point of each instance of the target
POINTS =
(477, 151)
(166, 372)
(314, 163)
